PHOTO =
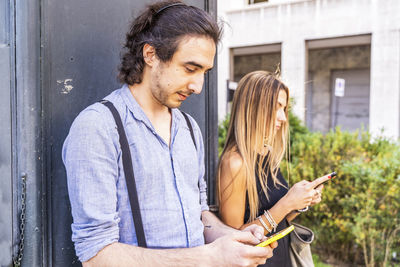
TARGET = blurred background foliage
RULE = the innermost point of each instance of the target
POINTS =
(358, 221)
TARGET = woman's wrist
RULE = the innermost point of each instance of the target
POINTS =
(285, 205)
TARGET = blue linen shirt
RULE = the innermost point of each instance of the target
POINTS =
(169, 179)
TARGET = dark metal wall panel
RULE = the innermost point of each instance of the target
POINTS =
(81, 44)
(5, 158)
(28, 126)
(4, 22)
(6, 203)
(211, 139)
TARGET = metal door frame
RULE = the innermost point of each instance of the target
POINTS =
(27, 127)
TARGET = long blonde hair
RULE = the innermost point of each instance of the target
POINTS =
(251, 127)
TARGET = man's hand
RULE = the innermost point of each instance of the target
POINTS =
(239, 249)
(257, 231)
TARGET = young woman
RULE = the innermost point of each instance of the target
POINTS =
(250, 186)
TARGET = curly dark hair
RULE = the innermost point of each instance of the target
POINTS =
(163, 25)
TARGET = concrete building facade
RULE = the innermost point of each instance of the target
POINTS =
(318, 42)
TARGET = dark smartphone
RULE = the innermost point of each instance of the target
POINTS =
(332, 175)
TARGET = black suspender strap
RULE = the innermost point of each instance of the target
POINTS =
(190, 128)
(130, 178)
(128, 170)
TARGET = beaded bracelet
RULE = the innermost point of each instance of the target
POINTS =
(264, 224)
(270, 220)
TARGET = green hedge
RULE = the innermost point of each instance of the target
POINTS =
(222, 131)
(358, 220)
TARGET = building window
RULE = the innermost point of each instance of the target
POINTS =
(251, 58)
(256, 1)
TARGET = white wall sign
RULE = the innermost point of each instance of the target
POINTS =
(232, 85)
(339, 87)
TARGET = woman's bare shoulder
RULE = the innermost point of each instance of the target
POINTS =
(232, 162)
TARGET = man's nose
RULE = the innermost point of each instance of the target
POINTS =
(196, 84)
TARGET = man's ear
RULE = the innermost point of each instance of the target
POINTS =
(149, 54)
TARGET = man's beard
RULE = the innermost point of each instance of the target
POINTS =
(161, 95)
(164, 96)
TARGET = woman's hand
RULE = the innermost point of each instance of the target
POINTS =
(304, 193)
(318, 196)
(299, 196)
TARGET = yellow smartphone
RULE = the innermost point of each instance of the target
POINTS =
(276, 236)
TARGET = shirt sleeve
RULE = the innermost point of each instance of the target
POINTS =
(200, 152)
(90, 158)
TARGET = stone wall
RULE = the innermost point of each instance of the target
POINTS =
(248, 63)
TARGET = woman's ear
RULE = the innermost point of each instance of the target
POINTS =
(149, 54)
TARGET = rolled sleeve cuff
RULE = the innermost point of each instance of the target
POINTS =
(203, 202)
(88, 247)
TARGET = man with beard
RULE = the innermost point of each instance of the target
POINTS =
(169, 49)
